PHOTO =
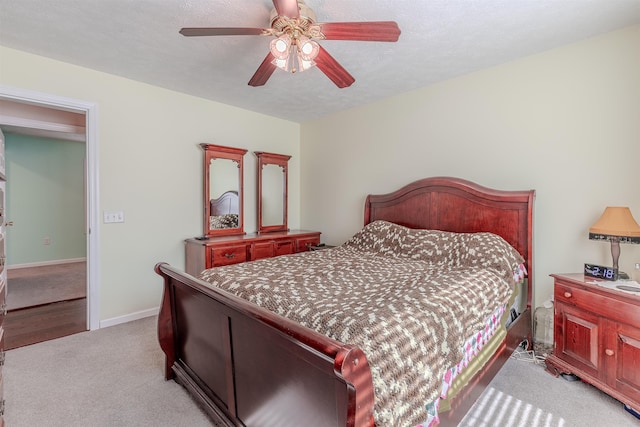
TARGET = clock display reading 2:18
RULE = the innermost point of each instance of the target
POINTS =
(600, 272)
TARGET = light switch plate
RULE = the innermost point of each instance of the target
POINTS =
(113, 216)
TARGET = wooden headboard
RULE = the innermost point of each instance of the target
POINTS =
(227, 203)
(454, 204)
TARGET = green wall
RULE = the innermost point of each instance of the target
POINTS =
(45, 199)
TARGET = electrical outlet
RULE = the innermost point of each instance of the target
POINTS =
(113, 216)
(47, 240)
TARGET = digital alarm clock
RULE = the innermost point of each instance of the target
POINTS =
(601, 272)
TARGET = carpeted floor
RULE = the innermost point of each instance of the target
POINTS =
(113, 377)
(523, 394)
(28, 287)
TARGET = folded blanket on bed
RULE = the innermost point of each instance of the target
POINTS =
(408, 298)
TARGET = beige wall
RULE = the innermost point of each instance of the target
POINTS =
(564, 122)
(150, 167)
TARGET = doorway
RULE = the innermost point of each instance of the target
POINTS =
(19, 98)
(46, 241)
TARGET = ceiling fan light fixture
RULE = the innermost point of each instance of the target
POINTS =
(304, 64)
(295, 45)
(294, 62)
(280, 47)
(308, 49)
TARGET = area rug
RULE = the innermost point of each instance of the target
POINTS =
(33, 286)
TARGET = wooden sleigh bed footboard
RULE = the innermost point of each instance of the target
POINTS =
(247, 366)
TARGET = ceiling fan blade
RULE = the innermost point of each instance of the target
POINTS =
(376, 31)
(263, 72)
(288, 8)
(332, 69)
(196, 32)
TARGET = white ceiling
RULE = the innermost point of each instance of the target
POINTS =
(440, 39)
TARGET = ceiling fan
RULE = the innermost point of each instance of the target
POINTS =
(295, 47)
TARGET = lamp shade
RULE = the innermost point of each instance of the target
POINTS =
(280, 47)
(308, 49)
(616, 221)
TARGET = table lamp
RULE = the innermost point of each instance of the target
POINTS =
(617, 226)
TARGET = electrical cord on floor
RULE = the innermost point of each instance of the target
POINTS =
(522, 354)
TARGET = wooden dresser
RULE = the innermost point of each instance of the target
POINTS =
(597, 336)
(224, 250)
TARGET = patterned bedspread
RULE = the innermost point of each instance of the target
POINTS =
(408, 298)
(223, 221)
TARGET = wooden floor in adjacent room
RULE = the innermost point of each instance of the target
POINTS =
(44, 303)
(45, 322)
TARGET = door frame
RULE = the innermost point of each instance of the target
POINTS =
(92, 214)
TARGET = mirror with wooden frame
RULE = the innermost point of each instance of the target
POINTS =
(272, 191)
(223, 190)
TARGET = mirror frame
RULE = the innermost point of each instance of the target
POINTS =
(212, 152)
(281, 160)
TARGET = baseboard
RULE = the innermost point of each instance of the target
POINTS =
(44, 263)
(129, 317)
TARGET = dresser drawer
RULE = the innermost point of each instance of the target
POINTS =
(260, 250)
(614, 308)
(284, 247)
(216, 251)
(304, 244)
(226, 255)
(268, 249)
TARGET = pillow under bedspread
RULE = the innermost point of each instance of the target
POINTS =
(407, 298)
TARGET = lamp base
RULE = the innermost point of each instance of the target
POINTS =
(623, 276)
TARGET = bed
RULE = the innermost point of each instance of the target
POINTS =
(224, 211)
(247, 365)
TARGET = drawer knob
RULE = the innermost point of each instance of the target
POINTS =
(567, 294)
(608, 352)
(230, 255)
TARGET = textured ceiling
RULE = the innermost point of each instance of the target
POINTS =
(139, 39)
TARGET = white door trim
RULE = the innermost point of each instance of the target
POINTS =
(92, 209)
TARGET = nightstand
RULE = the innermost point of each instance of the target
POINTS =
(597, 336)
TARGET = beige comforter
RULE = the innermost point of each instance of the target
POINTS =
(408, 298)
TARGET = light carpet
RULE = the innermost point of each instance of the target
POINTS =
(113, 377)
(523, 394)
